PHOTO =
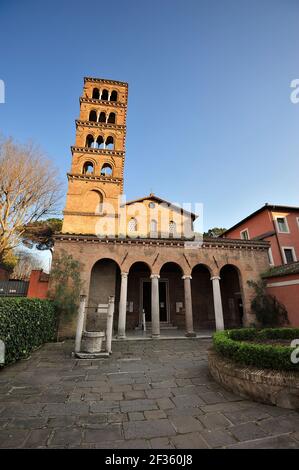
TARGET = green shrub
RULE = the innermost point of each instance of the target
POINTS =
(25, 324)
(232, 344)
(268, 310)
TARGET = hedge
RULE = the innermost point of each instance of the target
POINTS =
(234, 345)
(25, 324)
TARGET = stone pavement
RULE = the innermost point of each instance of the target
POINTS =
(149, 394)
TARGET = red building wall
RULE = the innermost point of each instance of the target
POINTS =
(38, 284)
(286, 289)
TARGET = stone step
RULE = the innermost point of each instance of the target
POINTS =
(163, 326)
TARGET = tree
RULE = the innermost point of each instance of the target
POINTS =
(40, 233)
(214, 232)
(25, 263)
(267, 308)
(29, 191)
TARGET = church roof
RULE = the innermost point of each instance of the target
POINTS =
(155, 198)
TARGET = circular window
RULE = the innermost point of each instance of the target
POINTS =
(151, 205)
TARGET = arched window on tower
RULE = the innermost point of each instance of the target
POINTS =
(172, 229)
(132, 225)
(113, 96)
(89, 141)
(96, 94)
(109, 144)
(93, 116)
(106, 170)
(102, 117)
(104, 95)
(88, 168)
(100, 142)
(111, 118)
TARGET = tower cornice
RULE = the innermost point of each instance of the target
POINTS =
(86, 177)
(99, 125)
(112, 104)
(90, 150)
(105, 80)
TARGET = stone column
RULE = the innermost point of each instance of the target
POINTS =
(217, 303)
(155, 306)
(80, 323)
(122, 306)
(188, 306)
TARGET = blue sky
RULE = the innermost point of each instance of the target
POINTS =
(209, 119)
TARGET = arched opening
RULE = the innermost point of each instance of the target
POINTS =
(104, 282)
(172, 229)
(89, 141)
(100, 142)
(132, 225)
(202, 298)
(93, 202)
(88, 168)
(102, 117)
(153, 228)
(113, 96)
(93, 116)
(111, 118)
(109, 144)
(231, 296)
(139, 294)
(95, 94)
(172, 307)
(106, 170)
(104, 96)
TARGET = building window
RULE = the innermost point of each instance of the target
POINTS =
(109, 144)
(282, 225)
(88, 168)
(104, 95)
(298, 221)
(132, 225)
(89, 141)
(113, 96)
(106, 170)
(111, 118)
(172, 228)
(151, 205)
(93, 116)
(153, 227)
(102, 117)
(95, 94)
(270, 257)
(244, 234)
(289, 254)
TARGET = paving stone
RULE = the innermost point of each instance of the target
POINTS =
(61, 421)
(20, 409)
(165, 403)
(161, 443)
(137, 405)
(57, 409)
(112, 396)
(66, 437)
(187, 401)
(280, 425)
(117, 417)
(104, 406)
(37, 438)
(186, 424)
(110, 432)
(27, 423)
(247, 431)
(134, 394)
(141, 386)
(189, 441)
(12, 438)
(277, 442)
(158, 393)
(164, 384)
(239, 417)
(121, 388)
(148, 429)
(93, 420)
(155, 414)
(217, 438)
(214, 421)
(136, 416)
(211, 397)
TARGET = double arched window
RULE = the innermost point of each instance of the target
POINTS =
(100, 142)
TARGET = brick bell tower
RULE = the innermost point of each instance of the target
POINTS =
(96, 175)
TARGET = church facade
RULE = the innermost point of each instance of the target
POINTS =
(145, 252)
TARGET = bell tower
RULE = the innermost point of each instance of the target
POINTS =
(95, 181)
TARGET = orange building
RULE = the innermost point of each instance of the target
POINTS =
(276, 224)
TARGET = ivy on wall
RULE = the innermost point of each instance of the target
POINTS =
(25, 324)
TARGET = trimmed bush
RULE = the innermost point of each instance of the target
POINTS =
(25, 324)
(234, 345)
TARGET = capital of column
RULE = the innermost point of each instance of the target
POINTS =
(155, 276)
(187, 277)
(213, 278)
(124, 274)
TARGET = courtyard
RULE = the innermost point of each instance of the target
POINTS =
(147, 395)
